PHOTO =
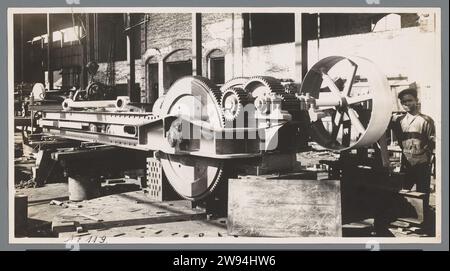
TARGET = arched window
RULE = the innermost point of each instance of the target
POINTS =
(152, 80)
(216, 66)
(176, 65)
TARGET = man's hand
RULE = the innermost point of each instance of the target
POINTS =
(396, 115)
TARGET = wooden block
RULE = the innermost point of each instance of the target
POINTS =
(357, 229)
(62, 225)
(414, 208)
(20, 214)
(400, 224)
(272, 163)
(284, 207)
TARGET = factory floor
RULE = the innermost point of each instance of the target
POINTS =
(124, 211)
(126, 214)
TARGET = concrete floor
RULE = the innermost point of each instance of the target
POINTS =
(41, 215)
(127, 214)
(119, 213)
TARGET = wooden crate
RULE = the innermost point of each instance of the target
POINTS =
(284, 207)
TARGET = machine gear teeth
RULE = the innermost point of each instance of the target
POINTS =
(219, 178)
(235, 82)
(272, 84)
(216, 93)
(212, 88)
(233, 100)
(175, 174)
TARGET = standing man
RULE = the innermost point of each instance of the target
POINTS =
(416, 136)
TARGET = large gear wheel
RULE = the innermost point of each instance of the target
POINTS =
(235, 82)
(212, 88)
(195, 98)
(233, 101)
(260, 86)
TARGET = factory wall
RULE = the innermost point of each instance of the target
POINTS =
(121, 73)
(398, 54)
(273, 60)
(166, 38)
(164, 29)
(217, 34)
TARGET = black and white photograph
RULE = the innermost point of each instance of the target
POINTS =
(224, 125)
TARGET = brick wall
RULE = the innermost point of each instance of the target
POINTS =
(166, 35)
(216, 34)
(121, 74)
(164, 28)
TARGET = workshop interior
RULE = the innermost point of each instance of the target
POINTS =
(224, 125)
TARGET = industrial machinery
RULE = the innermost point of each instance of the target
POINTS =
(198, 130)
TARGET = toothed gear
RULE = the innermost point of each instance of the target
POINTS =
(235, 82)
(193, 177)
(212, 88)
(260, 86)
(233, 101)
(216, 93)
(263, 86)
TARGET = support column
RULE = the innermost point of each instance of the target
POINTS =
(95, 37)
(237, 45)
(83, 74)
(49, 52)
(304, 40)
(62, 39)
(161, 78)
(88, 39)
(130, 60)
(197, 44)
(298, 72)
(22, 44)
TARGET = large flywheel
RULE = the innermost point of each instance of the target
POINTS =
(196, 99)
(353, 102)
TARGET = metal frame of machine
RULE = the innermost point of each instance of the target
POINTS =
(343, 103)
